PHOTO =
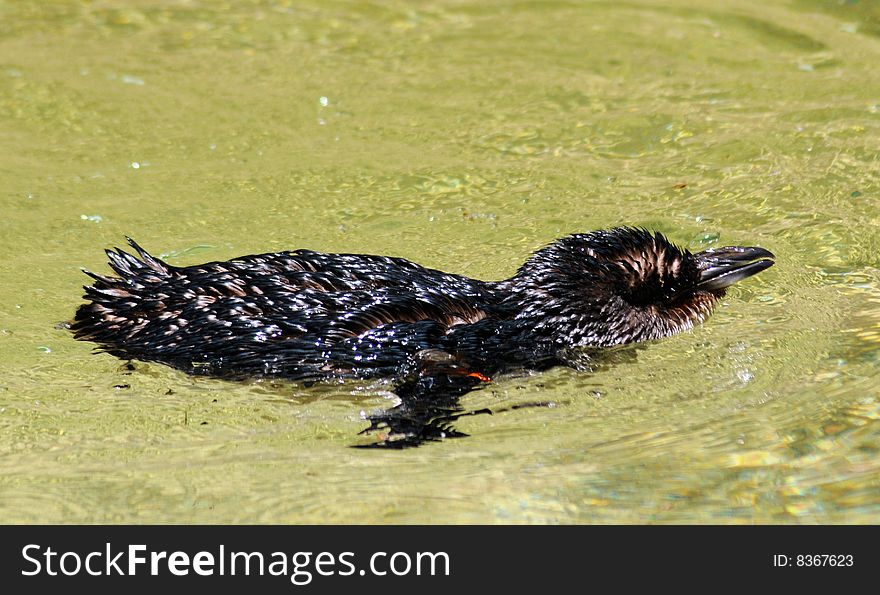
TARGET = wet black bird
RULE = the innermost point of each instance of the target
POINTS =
(306, 315)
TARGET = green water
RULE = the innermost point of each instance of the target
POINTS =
(461, 135)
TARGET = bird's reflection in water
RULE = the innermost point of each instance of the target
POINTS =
(427, 409)
(430, 399)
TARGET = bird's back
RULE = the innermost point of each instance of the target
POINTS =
(299, 314)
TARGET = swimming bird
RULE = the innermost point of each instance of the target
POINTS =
(304, 315)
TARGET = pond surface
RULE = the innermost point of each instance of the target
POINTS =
(461, 135)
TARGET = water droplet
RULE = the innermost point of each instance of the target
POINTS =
(131, 80)
(745, 376)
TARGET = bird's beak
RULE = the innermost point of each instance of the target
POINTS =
(722, 267)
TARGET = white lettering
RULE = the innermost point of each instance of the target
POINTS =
(67, 556)
(134, 559)
(112, 562)
(154, 561)
(202, 560)
(36, 563)
(89, 564)
(177, 559)
(373, 558)
(394, 566)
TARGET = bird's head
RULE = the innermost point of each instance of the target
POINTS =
(624, 285)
